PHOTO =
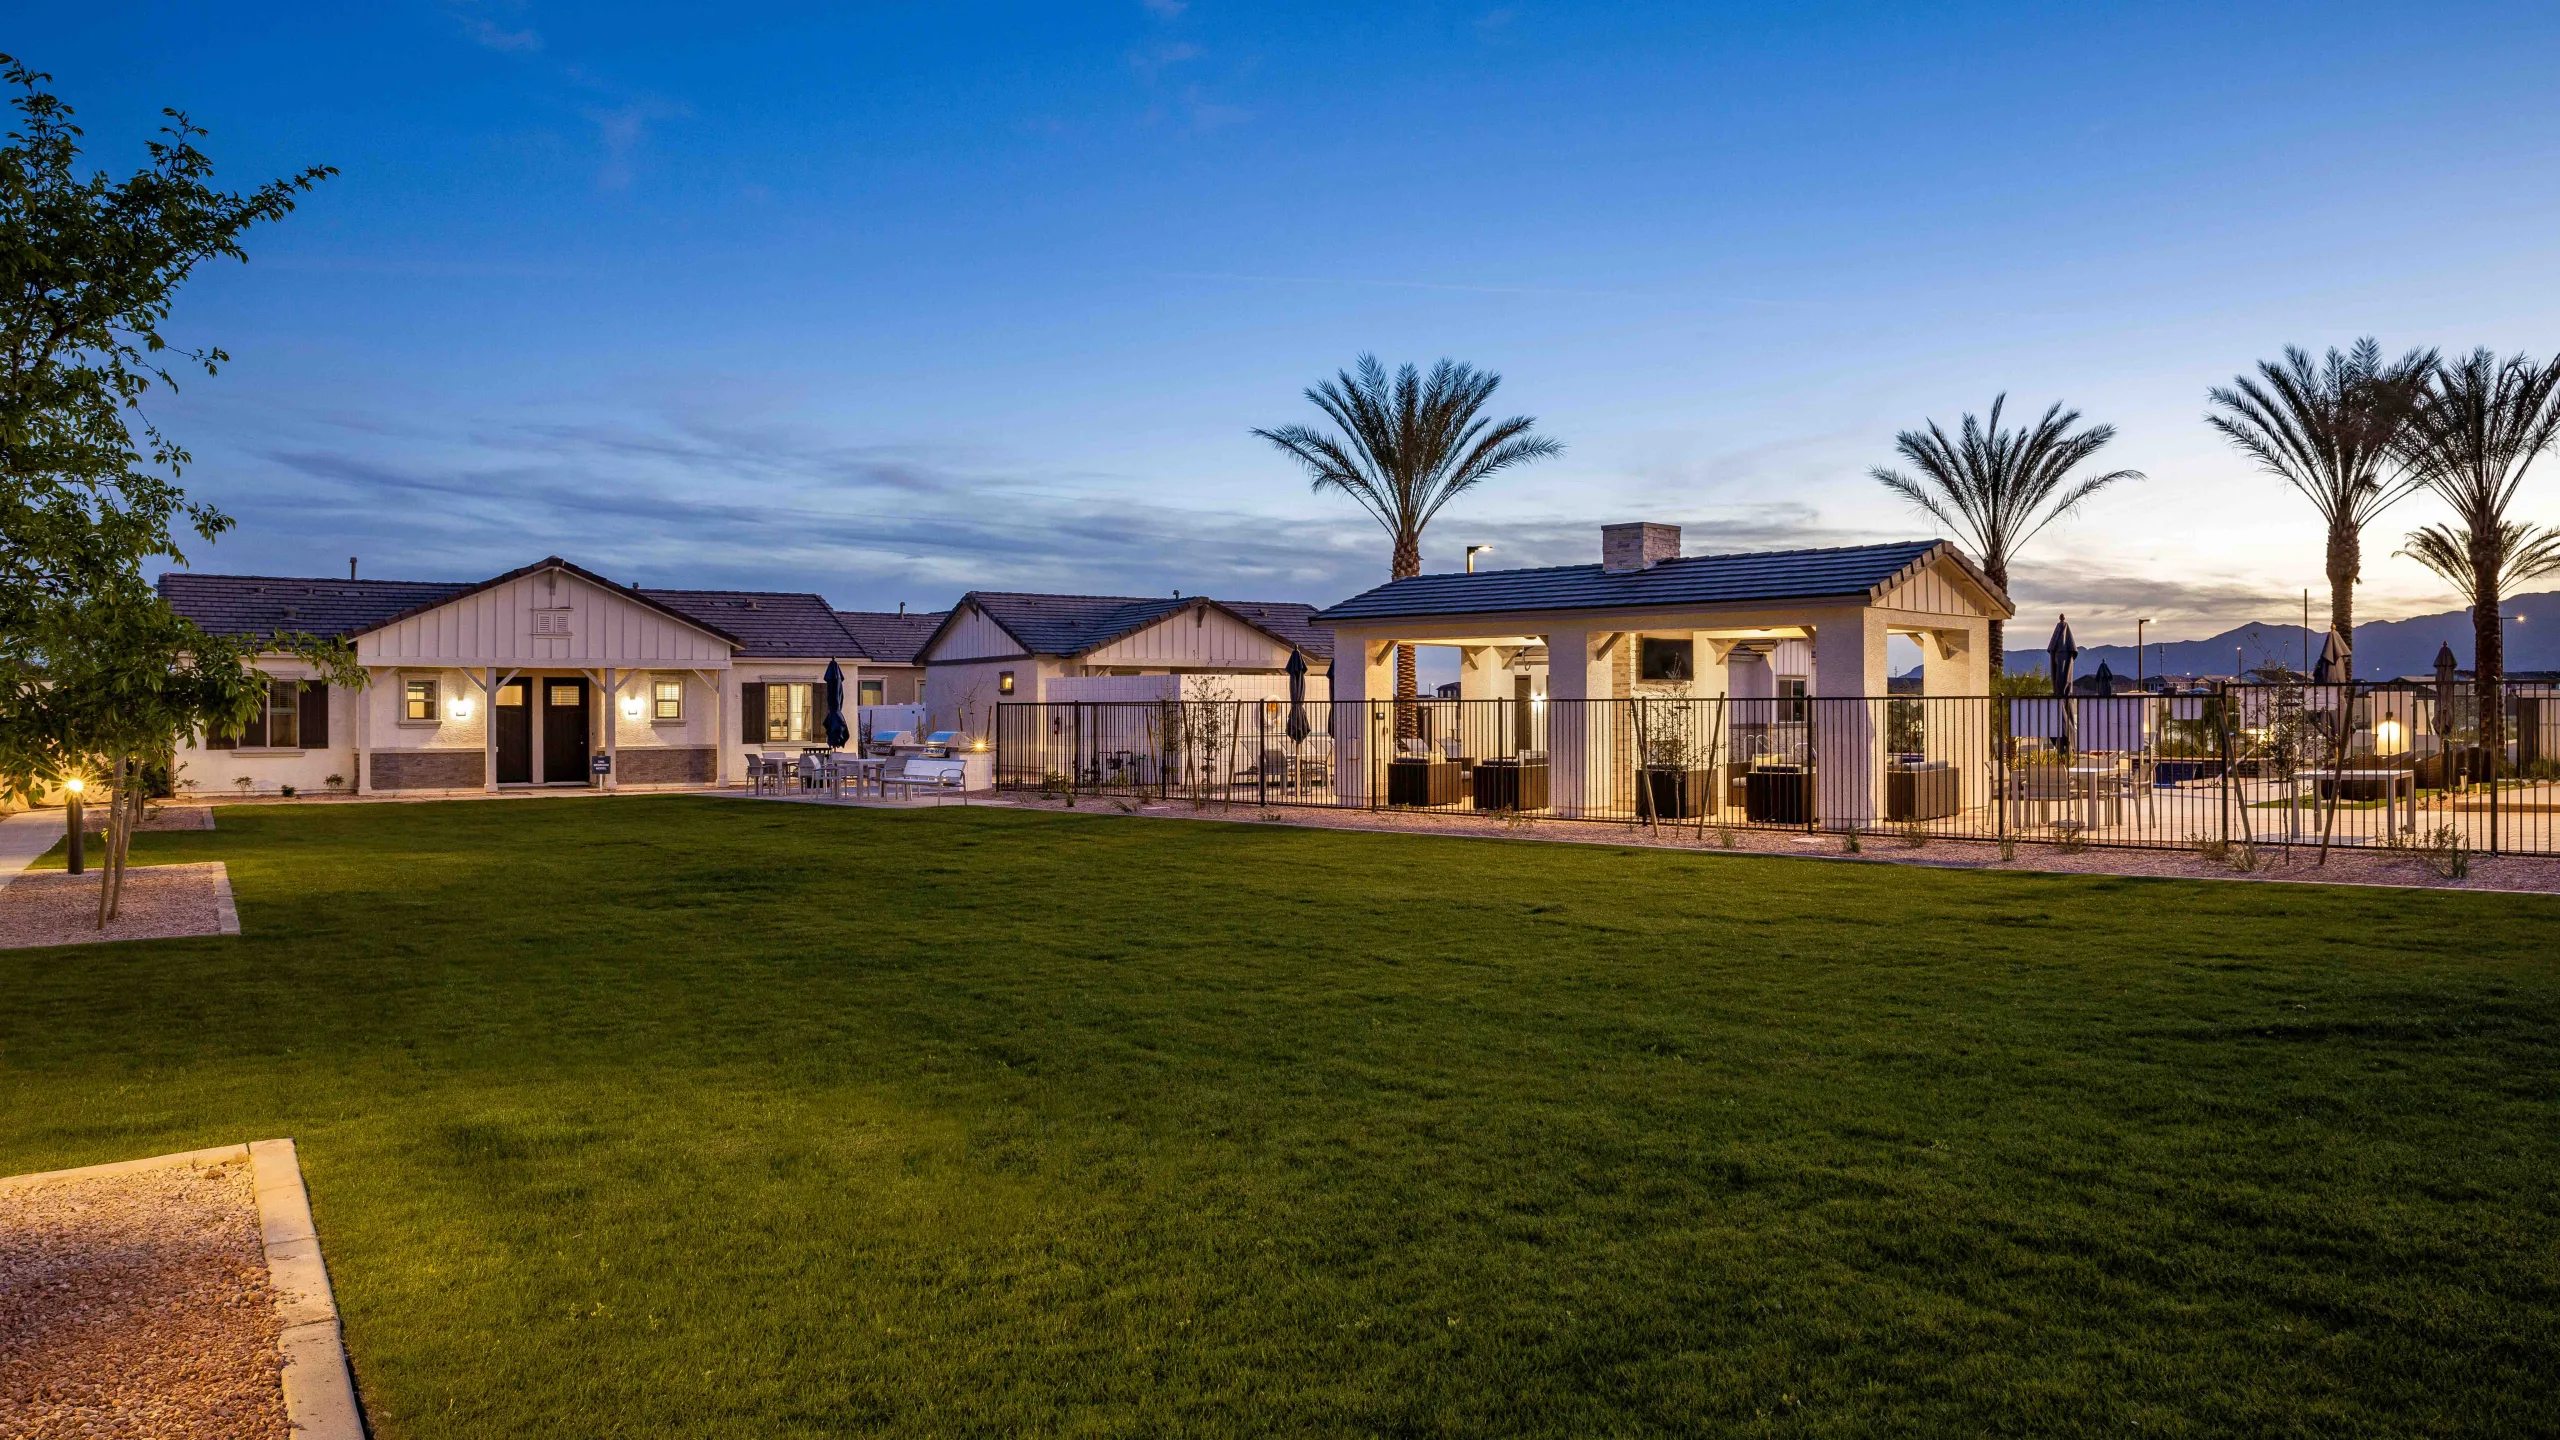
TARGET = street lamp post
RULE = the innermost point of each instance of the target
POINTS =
(2138, 627)
(1472, 552)
(75, 842)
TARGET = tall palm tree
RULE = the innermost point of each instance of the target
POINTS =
(1408, 445)
(2476, 429)
(2328, 431)
(2526, 552)
(1997, 488)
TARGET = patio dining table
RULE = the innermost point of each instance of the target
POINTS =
(2397, 787)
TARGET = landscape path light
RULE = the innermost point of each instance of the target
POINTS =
(76, 840)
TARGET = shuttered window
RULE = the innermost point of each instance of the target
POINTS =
(751, 714)
(315, 714)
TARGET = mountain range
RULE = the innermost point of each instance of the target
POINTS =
(2384, 648)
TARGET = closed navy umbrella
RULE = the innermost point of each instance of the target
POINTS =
(838, 732)
(2059, 652)
(1297, 726)
(2332, 664)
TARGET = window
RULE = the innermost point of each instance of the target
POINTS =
(284, 714)
(666, 699)
(1004, 682)
(418, 701)
(1665, 659)
(1792, 706)
(872, 692)
(790, 714)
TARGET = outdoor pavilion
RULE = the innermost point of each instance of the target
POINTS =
(1838, 606)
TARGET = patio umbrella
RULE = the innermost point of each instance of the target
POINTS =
(2444, 667)
(2059, 652)
(2106, 679)
(2332, 665)
(837, 731)
(1297, 726)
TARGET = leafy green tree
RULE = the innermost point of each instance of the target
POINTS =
(2330, 431)
(2478, 426)
(97, 676)
(1997, 489)
(1408, 446)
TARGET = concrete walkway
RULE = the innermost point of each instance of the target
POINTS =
(23, 837)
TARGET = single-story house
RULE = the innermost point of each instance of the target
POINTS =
(526, 679)
(999, 646)
(1767, 632)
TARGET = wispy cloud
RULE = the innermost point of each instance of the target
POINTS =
(479, 28)
(623, 130)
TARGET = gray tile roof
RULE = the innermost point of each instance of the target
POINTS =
(258, 606)
(779, 625)
(769, 624)
(892, 637)
(1844, 572)
(1074, 624)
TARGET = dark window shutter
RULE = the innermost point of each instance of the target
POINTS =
(751, 714)
(254, 734)
(315, 714)
(216, 740)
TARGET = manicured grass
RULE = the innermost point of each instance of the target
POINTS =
(699, 1117)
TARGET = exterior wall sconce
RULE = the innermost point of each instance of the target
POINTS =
(460, 709)
(631, 707)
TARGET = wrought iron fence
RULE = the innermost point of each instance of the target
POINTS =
(2237, 765)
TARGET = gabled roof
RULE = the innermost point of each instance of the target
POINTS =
(1074, 624)
(548, 562)
(770, 624)
(891, 637)
(258, 607)
(1849, 572)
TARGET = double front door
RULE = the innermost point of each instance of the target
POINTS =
(559, 708)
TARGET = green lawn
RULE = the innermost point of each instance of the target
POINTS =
(696, 1117)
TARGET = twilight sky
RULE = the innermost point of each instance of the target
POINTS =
(898, 300)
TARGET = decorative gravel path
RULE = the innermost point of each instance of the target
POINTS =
(2530, 874)
(138, 1304)
(160, 902)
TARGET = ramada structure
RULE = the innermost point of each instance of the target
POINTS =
(1772, 633)
(531, 677)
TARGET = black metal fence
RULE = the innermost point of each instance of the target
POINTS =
(2257, 765)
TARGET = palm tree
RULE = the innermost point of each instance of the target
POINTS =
(2328, 431)
(1408, 445)
(2477, 427)
(1997, 488)
(2525, 552)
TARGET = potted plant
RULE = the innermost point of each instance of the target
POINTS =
(1674, 785)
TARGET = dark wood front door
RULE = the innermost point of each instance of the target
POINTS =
(564, 729)
(515, 732)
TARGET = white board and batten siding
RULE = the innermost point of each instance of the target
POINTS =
(547, 619)
(1197, 639)
(1934, 589)
(973, 636)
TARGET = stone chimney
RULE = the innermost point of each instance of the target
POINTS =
(1638, 546)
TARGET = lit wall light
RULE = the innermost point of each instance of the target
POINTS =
(2388, 734)
(631, 707)
(460, 709)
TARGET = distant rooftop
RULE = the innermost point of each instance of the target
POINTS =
(1845, 572)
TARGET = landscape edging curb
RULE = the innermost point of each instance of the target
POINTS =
(319, 1390)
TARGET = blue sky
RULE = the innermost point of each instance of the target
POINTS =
(892, 301)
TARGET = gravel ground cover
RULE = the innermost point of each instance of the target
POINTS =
(160, 902)
(137, 1304)
(2346, 866)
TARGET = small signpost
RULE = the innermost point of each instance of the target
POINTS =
(598, 767)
